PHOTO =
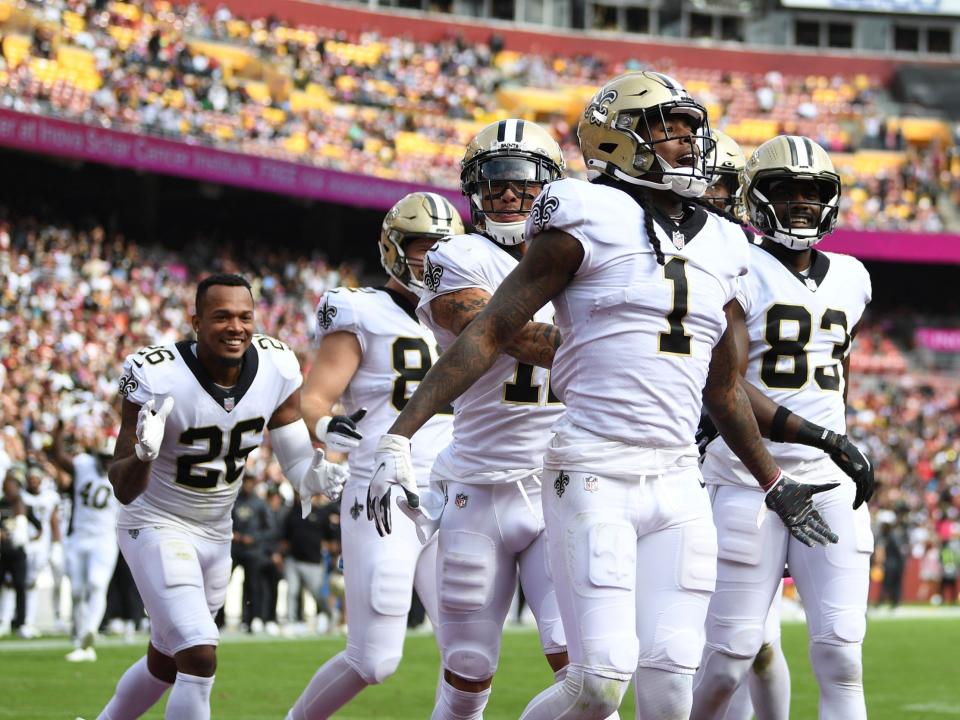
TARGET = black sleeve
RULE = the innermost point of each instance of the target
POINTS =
(32, 519)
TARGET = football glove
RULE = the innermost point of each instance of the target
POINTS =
(393, 466)
(854, 463)
(150, 429)
(321, 478)
(706, 433)
(793, 503)
(339, 433)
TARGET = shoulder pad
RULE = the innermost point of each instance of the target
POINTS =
(279, 354)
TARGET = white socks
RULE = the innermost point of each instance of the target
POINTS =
(137, 691)
(769, 681)
(715, 683)
(460, 705)
(839, 672)
(190, 698)
(332, 686)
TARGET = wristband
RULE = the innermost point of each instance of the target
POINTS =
(771, 483)
(778, 427)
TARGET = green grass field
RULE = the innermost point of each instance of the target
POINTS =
(912, 670)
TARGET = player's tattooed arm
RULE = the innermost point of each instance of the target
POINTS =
(730, 409)
(548, 266)
(128, 475)
(536, 343)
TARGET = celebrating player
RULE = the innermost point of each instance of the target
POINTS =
(795, 316)
(641, 280)
(91, 542)
(492, 525)
(192, 413)
(372, 354)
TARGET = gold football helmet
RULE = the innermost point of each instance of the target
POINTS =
(616, 136)
(514, 153)
(726, 163)
(791, 158)
(417, 215)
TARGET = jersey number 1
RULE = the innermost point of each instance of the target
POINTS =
(676, 342)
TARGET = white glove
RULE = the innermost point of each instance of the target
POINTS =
(339, 433)
(426, 517)
(393, 466)
(56, 557)
(321, 478)
(150, 429)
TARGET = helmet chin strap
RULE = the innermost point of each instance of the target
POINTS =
(686, 182)
(504, 233)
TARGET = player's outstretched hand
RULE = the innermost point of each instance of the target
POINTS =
(321, 478)
(392, 466)
(150, 425)
(793, 503)
(854, 463)
(339, 433)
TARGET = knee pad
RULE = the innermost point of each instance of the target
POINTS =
(837, 665)
(372, 668)
(736, 637)
(594, 696)
(465, 571)
(842, 625)
(391, 588)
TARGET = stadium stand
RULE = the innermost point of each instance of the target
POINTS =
(392, 107)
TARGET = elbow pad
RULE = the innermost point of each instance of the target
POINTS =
(294, 450)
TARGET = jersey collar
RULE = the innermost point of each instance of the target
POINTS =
(227, 399)
(402, 302)
(819, 265)
(683, 233)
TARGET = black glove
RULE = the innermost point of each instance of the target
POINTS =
(706, 433)
(854, 463)
(792, 502)
(340, 433)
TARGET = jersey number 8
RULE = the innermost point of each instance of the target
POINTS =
(794, 348)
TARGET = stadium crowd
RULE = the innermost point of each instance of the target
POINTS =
(75, 300)
(393, 107)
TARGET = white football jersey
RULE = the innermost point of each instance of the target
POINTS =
(502, 422)
(799, 328)
(638, 336)
(43, 504)
(397, 353)
(209, 433)
(95, 507)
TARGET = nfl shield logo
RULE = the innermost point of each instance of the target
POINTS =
(228, 404)
(811, 284)
(679, 239)
(591, 484)
(460, 500)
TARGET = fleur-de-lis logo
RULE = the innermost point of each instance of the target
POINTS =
(543, 209)
(326, 314)
(127, 385)
(355, 508)
(560, 484)
(431, 275)
(596, 112)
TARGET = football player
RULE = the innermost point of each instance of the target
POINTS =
(45, 547)
(725, 163)
(373, 352)
(640, 278)
(491, 529)
(192, 413)
(91, 542)
(795, 316)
